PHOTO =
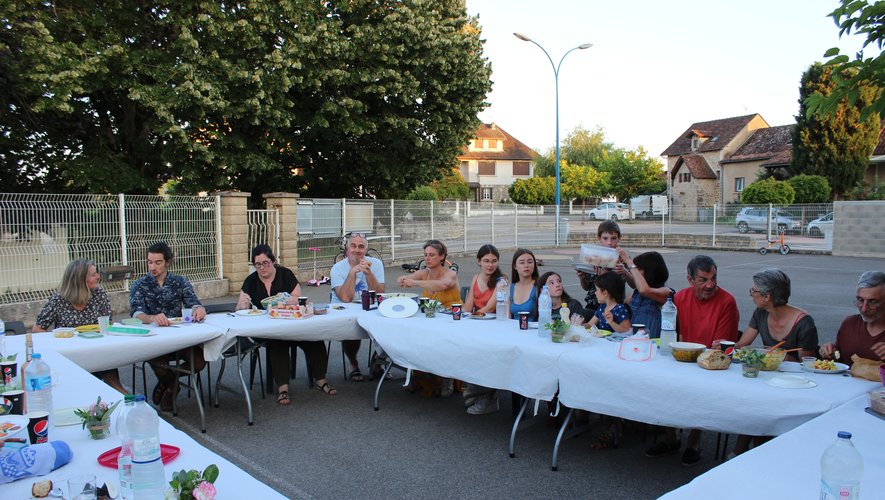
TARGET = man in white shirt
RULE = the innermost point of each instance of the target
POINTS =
(349, 278)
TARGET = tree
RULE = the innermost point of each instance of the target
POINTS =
(853, 78)
(533, 191)
(810, 188)
(580, 147)
(358, 98)
(632, 172)
(768, 191)
(838, 146)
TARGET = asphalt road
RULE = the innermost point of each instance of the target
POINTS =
(338, 447)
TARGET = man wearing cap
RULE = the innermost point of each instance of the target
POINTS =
(349, 278)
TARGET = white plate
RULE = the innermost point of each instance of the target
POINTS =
(790, 366)
(840, 368)
(791, 382)
(398, 307)
(251, 312)
(485, 316)
(17, 420)
(66, 416)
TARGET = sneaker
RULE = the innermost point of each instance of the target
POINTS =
(662, 448)
(446, 388)
(484, 404)
(691, 456)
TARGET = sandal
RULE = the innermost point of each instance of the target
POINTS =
(355, 376)
(606, 441)
(328, 389)
(283, 398)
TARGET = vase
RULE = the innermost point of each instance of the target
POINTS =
(750, 370)
(99, 430)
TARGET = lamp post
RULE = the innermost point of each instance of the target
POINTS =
(555, 67)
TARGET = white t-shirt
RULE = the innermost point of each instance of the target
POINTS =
(342, 268)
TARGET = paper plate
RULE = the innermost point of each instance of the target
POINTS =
(791, 382)
(167, 451)
(398, 307)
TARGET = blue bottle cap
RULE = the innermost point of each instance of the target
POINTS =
(844, 434)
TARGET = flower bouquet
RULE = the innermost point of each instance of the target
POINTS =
(97, 418)
(188, 484)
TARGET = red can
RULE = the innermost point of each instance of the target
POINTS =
(456, 311)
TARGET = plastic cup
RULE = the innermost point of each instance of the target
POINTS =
(103, 323)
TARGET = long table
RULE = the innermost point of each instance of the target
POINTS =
(75, 387)
(788, 466)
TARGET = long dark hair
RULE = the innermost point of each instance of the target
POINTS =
(613, 284)
(486, 250)
(514, 276)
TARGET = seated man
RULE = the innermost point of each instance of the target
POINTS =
(862, 334)
(349, 278)
(156, 297)
(705, 313)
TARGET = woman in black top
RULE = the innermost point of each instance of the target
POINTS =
(270, 279)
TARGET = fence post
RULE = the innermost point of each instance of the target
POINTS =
(124, 245)
(431, 221)
(715, 209)
(516, 225)
(219, 252)
(392, 232)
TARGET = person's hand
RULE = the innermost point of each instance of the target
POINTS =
(161, 320)
(199, 314)
(879, 349)
(827, 350)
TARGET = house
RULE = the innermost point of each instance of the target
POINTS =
(492, 161)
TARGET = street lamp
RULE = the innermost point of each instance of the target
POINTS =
(555, 67)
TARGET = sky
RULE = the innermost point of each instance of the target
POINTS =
(656, 66)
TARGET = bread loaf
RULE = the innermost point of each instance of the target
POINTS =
(714, 360)
(865, 368)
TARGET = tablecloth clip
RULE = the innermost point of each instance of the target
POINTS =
(408, 377)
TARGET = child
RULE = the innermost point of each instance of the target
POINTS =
(611, 314)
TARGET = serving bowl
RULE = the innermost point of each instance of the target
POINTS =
(687, 351)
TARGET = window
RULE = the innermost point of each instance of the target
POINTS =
(486, 167)
(738, 184)
(486, 194)
(520, 168)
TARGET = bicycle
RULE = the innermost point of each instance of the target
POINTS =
(421, 265)
(783, 247)
(341, 243)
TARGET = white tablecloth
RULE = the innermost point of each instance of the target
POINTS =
(490, 353)
(664, 391)
(789, 465)
(114, 351)
(73, 387)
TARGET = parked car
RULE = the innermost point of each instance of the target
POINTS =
(756, 219)
(610, 210)
(816, 227)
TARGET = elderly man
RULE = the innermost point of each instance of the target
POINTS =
(156, 297)
(705, 313)
(862, 334)
(349, 278)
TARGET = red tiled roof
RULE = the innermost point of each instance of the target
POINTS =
(513, 148)
(720, 133)
(696, 164)
(763, 143)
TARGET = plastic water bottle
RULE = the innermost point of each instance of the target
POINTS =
(668, 325)
(38, 387)
(545, 312)
(124, 459)
(143, 428)
(841, 468)
(502, 309)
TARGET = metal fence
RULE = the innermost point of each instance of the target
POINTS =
(41, 233)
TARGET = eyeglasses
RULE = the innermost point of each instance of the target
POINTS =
(871, 303)
(264, 263)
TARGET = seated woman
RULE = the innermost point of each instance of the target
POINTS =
(524, 274)
(481, 296)
(558, 296)
(270, 279)
(650, 276)
(79, 301)
(437, 281)
(611, 314)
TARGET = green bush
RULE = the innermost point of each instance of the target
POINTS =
(810, 188)
(768, 191)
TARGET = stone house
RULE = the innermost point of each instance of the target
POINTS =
(492, 161)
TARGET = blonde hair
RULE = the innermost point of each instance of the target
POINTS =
(73, 283)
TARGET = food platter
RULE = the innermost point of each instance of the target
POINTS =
(840, 368)
(251, 312)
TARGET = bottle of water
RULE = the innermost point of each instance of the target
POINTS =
(545, 312)
(143, 428)
(38, 387)
(668, 325)
(124, 459)
(841, 468)
(502, 309)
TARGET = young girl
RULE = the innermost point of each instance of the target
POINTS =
(611, 314)
(558, 296)
(524, 274)
(481, 297)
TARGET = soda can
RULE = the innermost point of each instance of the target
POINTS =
(524, 320)
(456, 311)
(302, 301)
(12, 403)
(364, 300)
(38, 427)
(373, 296)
